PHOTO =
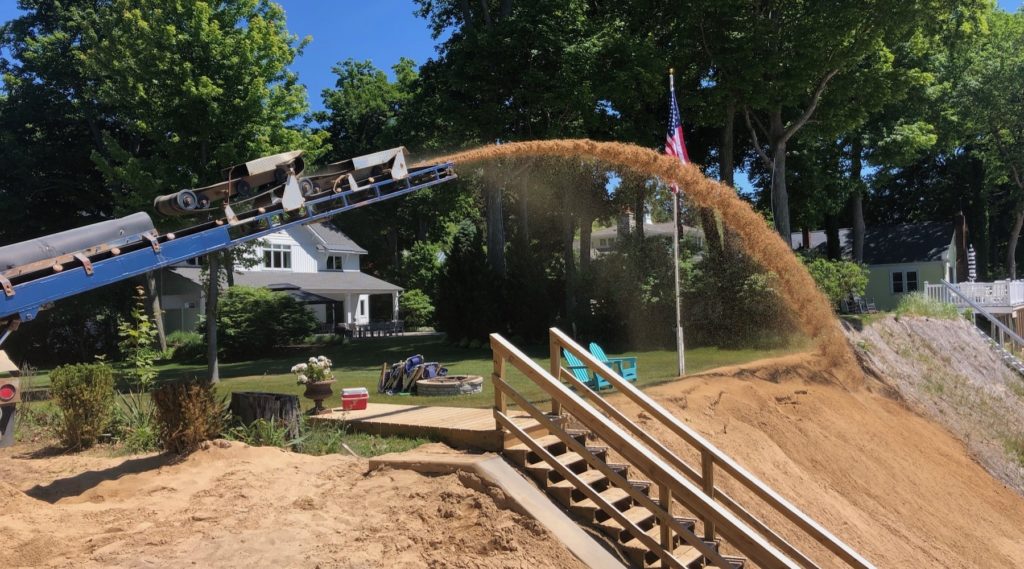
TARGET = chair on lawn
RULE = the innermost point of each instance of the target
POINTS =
(582, 373)
(625, 367)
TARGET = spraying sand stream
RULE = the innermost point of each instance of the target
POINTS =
(811, 309)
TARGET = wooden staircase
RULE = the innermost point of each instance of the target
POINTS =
(589, 512)
(615, 477)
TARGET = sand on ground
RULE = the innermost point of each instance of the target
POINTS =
(899, 489)
(237, 506)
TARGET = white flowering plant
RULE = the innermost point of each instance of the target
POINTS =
(315, 370)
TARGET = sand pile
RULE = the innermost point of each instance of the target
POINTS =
(237, 506)
(898, 488)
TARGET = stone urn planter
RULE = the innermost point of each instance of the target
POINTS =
(318, 391)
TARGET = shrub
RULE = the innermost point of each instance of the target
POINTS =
(253, 321)
(838, 279)
(260, 433)
(187, 414)
(186, 346)
(137, 336)
(84, 393)
(417, 310)
(917, 304)
(133, 423)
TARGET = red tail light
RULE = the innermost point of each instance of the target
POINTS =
(7, 392)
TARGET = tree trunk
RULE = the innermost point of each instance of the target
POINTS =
(857, 200)
(396, 257)
(153, 298)
(1011, 247)
(727, 168)
(569, 259)
(524, 208)
(833, 247)
(712, 237)
(640, 206)
(586, 229)
(780, 195)
(250, 406)
(212, 292)
(495, 230)
(229, 268)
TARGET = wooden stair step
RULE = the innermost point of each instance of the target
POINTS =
(520, 453)
(687, 555)
(588, 509)
(541, 471)
(655, 533)
(639, 515)
(563, 490)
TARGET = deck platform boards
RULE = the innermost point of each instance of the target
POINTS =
(459, 427)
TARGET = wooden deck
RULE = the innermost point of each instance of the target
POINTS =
(459, 427)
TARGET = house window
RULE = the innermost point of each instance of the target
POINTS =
(334, 263)
(904, 281)
(604, 243)
(277, 256)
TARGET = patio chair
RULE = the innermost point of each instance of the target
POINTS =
(582, 373)
(625, 367)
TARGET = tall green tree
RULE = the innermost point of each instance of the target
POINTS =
(991, 103)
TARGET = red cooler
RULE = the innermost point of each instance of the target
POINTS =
(354, 398)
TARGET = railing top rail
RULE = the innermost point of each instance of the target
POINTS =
(783, 506)
(742, 537)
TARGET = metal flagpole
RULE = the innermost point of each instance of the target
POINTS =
(680, 357)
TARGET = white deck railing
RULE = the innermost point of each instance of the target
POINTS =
(995, 294)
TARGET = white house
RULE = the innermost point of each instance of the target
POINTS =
(316, 264)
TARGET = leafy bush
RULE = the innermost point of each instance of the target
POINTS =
(260, 433)
(417, 310)
(85, 394)
(187, 414)
(133, 423)
(253, 321)
(186, 346)
(838, 279)
(137, 339)
(917, 304)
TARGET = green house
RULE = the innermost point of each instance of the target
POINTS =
(900, 258)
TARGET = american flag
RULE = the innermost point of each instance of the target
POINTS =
(674, 143)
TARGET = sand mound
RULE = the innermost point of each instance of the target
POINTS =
(898, 488)
(236, 506)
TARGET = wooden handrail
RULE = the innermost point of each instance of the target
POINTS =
(739, 535)
(664, 517)
(711, 453)
(681, 465)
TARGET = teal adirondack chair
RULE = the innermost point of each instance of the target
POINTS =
(583, 374)
(625, 367)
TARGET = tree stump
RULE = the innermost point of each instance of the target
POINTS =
(249, 406)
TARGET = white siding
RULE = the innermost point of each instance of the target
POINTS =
(350, 261)
(304, 253)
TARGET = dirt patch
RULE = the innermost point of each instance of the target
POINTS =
(898, 488)
(236, 506)
(945, 371)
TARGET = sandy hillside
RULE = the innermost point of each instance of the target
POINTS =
(898, 488)
(237, 506)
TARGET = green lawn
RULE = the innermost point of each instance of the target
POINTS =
(358, 364)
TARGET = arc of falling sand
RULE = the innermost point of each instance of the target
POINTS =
(812, 310)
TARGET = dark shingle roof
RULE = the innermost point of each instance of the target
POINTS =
(325, 283)
(334, 240)
(906, 243)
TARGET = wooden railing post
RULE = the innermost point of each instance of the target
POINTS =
(665, 501)
(500, 404)
(707, 468)
(555, 353)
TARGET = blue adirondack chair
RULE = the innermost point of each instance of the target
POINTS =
(625, 367)
(583, 374)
